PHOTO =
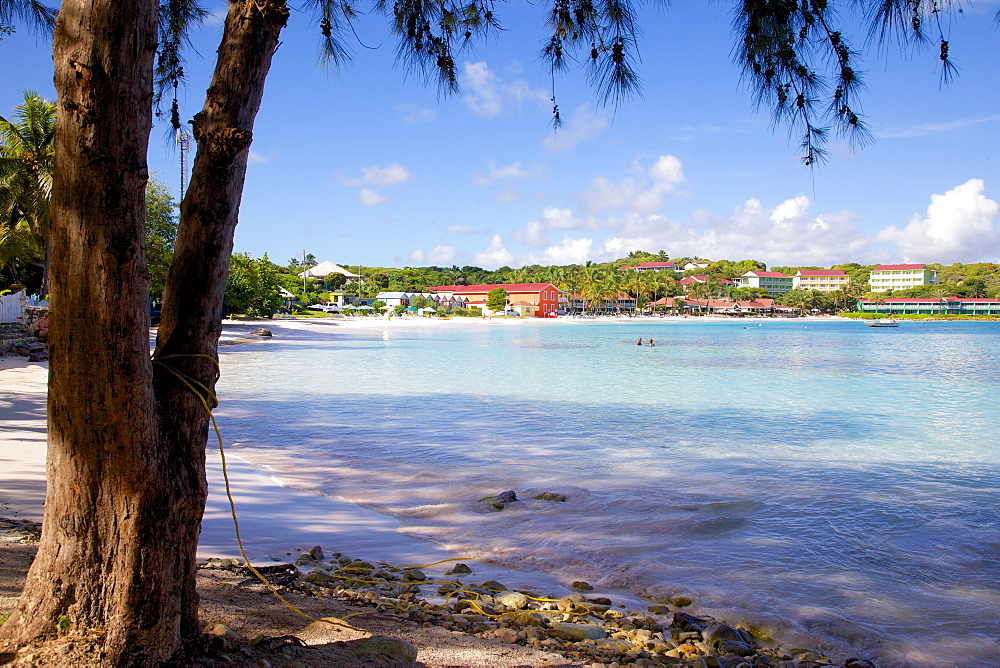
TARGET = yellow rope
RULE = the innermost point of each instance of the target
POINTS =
(204, 393)
(194, 385)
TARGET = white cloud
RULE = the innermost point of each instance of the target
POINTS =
(486, 96)
(961, 226)
(569, 251)
(642, 193)
(369, 197)
(505, 173)
(507, 196)
(535, 234)
(440, 254)
(457, 229)
(923, 129)
(559, 219)
(783, 234)
(390, 175)
(532, 235)
(255, 158)
(667, 173)
(495, 255)
(583, 125)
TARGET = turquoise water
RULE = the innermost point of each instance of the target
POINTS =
(835, 482)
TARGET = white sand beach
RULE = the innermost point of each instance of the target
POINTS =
(274, 521)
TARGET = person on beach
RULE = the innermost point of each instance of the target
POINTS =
(42, 328)
(639, 342)
(651, 344)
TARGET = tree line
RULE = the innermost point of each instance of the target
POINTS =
(598, 285)
(115, 567)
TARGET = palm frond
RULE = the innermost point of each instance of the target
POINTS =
(35, 15)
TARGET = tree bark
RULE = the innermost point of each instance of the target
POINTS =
(106, 563)
(192, 303)
(126, 464)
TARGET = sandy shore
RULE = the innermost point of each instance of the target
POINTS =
(276, 523)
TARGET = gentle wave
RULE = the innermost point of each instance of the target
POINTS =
(836, 483)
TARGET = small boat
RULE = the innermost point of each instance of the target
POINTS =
(882, 322)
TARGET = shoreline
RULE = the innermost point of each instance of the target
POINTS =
(281, 519)
(284, 522)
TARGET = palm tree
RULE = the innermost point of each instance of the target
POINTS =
(27, 150)
(608, 287)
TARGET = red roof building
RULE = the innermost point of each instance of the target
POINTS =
(654, 266)
(541, 300)
(930, 306)
(691, 280)
(774, 282)
(760, 305)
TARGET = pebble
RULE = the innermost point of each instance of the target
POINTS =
(581, 629)
(551, 496)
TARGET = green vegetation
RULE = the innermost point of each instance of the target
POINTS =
(252, 287)
(27, 149)
(27, 154)
(161, 232)
(918, 316)
(496, 300)
(599, 284)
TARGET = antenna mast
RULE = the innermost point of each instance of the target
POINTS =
(183, 140)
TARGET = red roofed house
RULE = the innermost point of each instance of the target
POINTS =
(824, 280)
(541, 300)
(901, 277)
(774, 282)
(694, 280)
(654, 266)
(759, 306)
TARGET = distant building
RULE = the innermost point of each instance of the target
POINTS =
(930, 306)
(656, 266)
(694, 266)
(901, 277)
(824, 280)
(541, 300)
(774, 282)
(343, 298)
(759, 306)
(324, 269)
(690, 281)
(394, 298)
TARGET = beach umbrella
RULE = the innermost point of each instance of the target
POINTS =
(365, 308)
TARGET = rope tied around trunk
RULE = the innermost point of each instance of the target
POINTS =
(208, 401)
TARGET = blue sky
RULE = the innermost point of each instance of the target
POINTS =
(370, 166)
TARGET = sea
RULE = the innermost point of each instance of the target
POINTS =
(833, 483)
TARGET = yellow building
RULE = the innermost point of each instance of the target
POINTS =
(824, 280)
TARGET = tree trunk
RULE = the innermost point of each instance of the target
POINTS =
(192, 302)
(107, 563)
(126, 466)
